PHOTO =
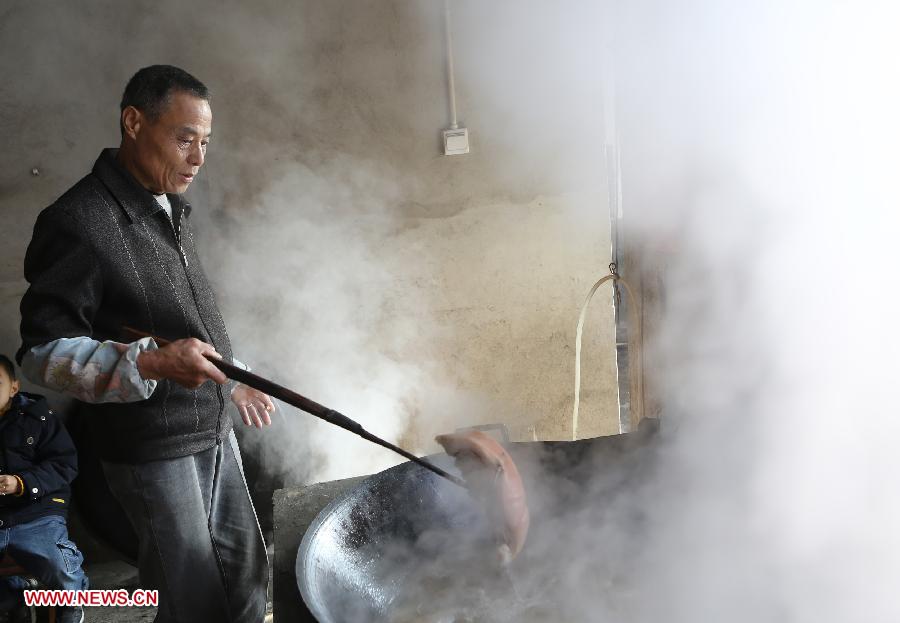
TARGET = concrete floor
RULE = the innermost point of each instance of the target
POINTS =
(119, 615)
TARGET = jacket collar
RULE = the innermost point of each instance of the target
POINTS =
(137, 201)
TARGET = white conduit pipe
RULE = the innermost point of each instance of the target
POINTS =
(634, 361)
(451, 84)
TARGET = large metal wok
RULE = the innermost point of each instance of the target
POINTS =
(367, 545)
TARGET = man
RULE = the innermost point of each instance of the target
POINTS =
(118, 250)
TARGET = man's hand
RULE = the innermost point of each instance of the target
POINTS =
(9, 485)
(182, 361)
(253, 405)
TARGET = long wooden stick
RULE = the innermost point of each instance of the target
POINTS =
(305, 404)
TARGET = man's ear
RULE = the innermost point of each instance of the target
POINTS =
(132, 120)
(14, 386)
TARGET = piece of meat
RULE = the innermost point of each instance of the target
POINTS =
(491, 475)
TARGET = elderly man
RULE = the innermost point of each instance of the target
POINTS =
(118, 249)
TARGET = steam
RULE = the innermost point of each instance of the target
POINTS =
(359, 277)
(759, 150)
(308, 292)
(760, 146)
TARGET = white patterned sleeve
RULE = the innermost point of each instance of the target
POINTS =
(89, 370)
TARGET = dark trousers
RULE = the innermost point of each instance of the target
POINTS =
(42, 547)
(199, 540)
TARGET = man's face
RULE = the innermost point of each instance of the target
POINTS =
(8, 389)
(170, 151)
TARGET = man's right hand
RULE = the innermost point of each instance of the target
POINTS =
(182, 361)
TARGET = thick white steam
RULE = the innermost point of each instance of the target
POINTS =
(763, 139)
(759, 149)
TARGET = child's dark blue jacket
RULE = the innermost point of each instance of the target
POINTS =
(35, 446)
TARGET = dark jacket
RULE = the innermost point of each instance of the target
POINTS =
(103, 256)
(37, 449)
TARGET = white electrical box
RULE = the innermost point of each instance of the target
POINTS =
(456, 141)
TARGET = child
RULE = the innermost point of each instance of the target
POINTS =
(37, 463)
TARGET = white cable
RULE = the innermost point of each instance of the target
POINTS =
(451, 85)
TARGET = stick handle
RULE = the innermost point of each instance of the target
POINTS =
(304, 404)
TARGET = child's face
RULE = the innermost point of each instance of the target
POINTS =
(8, 389)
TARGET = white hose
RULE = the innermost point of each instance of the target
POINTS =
(634, 368)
